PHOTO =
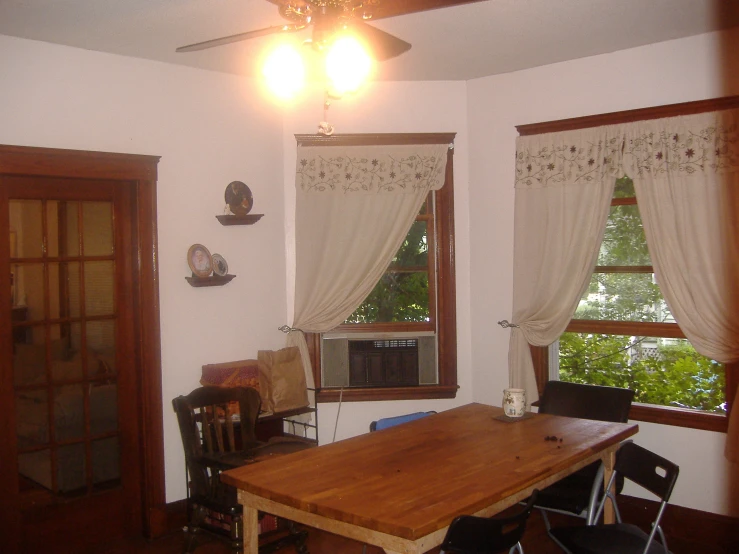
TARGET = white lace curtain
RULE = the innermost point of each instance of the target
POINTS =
(686, 176)
(354, 207)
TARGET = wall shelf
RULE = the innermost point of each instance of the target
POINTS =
(248, 219)
(211, 281)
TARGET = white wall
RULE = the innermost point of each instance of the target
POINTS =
(678, 71)
(392, 108)
(209, 129)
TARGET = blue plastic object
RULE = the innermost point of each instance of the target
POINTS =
(386, 422)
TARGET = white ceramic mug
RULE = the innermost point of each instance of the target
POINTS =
(514, 402)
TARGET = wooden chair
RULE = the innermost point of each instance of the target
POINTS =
(217, 426)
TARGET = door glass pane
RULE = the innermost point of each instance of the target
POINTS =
(35, 468)
(25, 220)
(101, 339)
(97, 224)
(70, 285)
(72, 226)
(53, 231)
(32, 418)
(54, 292)
(30, 290)
(103, 408)
(29, 364)
(106, 470)
(71, 468)
(69, 412)
(99, 288)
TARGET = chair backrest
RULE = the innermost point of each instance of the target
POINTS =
(655, 473)
(586, 401)
(206, 420)
(497, 534)
(386, 422)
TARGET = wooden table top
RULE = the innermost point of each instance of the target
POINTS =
(413, 479)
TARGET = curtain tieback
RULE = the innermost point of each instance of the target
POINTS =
(505, 324)
(287, 329)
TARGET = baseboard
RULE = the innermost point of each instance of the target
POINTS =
(684, 526)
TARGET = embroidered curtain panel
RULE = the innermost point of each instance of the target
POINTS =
(564, 184)
(686, 176)
(354, 207)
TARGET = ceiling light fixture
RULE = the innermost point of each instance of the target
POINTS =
(284, 72)
(348, 65)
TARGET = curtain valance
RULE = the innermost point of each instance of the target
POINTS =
(690, 146)
(350, 170)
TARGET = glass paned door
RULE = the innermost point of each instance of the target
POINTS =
(65, 376)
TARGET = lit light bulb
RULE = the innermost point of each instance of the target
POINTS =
(347, 65)
(284, 72)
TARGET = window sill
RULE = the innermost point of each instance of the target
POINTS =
(400, 393)
(679, 417)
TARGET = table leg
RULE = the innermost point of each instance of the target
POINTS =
(251, 530)
(609, 462)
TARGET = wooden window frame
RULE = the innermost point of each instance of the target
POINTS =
(642, 412)
(445, 298)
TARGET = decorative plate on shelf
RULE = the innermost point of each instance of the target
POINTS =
(199, 260)
(220, 267)
(239, 198)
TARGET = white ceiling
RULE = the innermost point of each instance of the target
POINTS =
(457, 43)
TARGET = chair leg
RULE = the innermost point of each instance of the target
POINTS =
(544, 516)
(192, 529)
(517, 547)
(237, 534)
(300, 537)
(547, 525)
(191, 541)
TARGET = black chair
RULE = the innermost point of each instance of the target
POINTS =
(480, 535)
(578, 494)
(218, 429)
(646, 469)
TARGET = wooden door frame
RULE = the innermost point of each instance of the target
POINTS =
(139, 172)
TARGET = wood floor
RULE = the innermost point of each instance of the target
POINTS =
(535, 541)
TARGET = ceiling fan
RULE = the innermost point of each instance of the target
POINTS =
(328, 17)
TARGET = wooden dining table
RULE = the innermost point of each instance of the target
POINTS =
(401, 487)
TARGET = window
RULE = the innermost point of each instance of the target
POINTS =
(400, 343)
(624, 335)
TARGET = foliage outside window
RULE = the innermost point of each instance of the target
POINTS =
(404, 293)
(623, 333)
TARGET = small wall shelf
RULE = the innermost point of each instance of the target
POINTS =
(248, 219)
(211, 281)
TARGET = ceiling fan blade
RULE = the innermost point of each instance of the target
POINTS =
(241, 36)
(382, 45)
(383, 9)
